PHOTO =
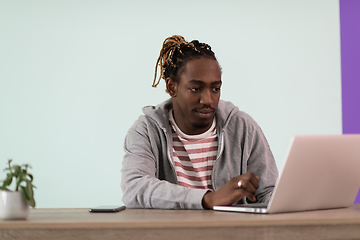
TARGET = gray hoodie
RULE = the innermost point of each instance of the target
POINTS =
(148, 177)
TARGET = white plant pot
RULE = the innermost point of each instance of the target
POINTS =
(13, 205)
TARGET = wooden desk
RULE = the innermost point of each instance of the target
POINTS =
(183, 224)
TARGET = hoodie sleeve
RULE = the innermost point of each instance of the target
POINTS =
(258, 158)
(140, 171)
(245, 150)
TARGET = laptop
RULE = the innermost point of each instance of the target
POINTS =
(320, 172)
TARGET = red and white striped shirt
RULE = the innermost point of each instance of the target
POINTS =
(194, 156)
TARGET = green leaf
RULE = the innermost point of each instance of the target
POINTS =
(31, 202)
(26, 194)
(17, 170)
(19, 179)
(4, 188)
(8, 180)
(31, 177)
(30, 191)
(28, 198)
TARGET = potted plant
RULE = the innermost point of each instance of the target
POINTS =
(15, 204)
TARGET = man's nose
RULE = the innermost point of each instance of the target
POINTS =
(206, 97)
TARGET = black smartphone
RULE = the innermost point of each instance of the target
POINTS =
(107, 209)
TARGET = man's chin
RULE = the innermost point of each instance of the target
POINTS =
(201, 125)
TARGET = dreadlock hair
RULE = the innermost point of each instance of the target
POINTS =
(175, 53)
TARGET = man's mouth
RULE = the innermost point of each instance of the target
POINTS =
(205, 112)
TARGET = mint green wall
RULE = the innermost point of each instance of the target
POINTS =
(75, 74)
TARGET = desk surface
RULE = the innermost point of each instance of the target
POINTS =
(175, 224)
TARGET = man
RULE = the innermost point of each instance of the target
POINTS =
(194, 151)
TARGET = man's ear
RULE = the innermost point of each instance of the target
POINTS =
(171, 87)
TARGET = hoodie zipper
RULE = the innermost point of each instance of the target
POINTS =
(168, 147)
(169, 155)
(218, 157)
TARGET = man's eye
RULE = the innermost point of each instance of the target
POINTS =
(195, 89)
(216, 89)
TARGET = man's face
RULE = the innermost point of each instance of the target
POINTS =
(196, 96)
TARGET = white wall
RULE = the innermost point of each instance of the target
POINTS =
(75, 74)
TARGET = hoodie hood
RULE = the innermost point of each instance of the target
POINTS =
(160, 113)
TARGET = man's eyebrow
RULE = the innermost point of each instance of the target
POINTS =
(217, 82)
(202, 82)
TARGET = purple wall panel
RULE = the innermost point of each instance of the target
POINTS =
(350, 66)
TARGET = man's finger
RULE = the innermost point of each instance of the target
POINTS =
(255, 182)
(247, 187)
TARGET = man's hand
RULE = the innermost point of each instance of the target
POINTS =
(231, 193)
